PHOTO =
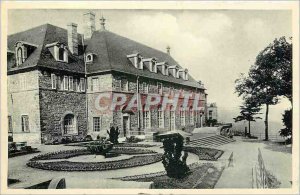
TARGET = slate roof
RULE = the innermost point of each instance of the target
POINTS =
(41, 56)
(111, 54)
(110, 51)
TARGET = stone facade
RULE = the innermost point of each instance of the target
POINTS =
(23, 100)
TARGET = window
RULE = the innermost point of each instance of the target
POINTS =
(166, 70)
(89, 58)
(10, 127)
(53, 81)
(124, 85)
(61, 52)
(95, 84)
(146, 117)
(77, 84)
(71, 83)
(159, 88)
(19, 56)
(140, 62)
(96, 124)
(160, 116)
(210, 114)
(191, 116)
(65, 82)
(182, 116)
(25, 123)
(61, 80)
(145, 87)
(69, 124)
(82, 84)
(154, 67)
(172, 91)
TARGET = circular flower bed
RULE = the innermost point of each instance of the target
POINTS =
(121, 150)
(96, 166)
(65, 165)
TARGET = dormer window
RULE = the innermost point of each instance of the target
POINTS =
(173, 70)
(136, 60)
(163, 68)
(59, 51)
(23, 50)
(19, 56)
(90, 57)
(186, 75)
(140, 62)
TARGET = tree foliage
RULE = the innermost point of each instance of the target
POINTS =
(248, 111)
(287, 119)
(269, 78)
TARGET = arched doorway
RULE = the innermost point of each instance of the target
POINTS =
(69, 124)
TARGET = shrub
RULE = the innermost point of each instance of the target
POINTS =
(113, 134)
(10, 138)
(133, 139)
(88, 138)
(288, 122)
(174, 166)
(99, 147)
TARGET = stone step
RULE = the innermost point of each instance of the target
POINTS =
(213, 141)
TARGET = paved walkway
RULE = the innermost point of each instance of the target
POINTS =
(245, 157)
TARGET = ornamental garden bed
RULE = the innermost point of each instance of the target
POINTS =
(202, 176)
(43, 161)
(96, 166)
(85, 144)
(205, 153)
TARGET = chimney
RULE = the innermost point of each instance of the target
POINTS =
(168, 49)
(73, 38)
(102, 23)
(89, 24)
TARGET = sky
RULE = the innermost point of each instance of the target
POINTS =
(215, 45)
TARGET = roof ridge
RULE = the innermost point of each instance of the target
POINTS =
(144, 45)
(39, 26)
(43, 41)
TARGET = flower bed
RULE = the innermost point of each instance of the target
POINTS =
(205, 153)
(121, 150)
(96, 166)
(85, 144)
(73, 153)
(60, 155)
(133, 145)
(203, 176)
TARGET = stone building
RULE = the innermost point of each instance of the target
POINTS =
(212, 112)
(55, 77)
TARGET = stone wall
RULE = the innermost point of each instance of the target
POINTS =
(55, 104)
(23, 99)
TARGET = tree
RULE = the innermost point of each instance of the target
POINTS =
(287, 120)
(247, 113)
(174, 166)
(269, 77)
(113, 134)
